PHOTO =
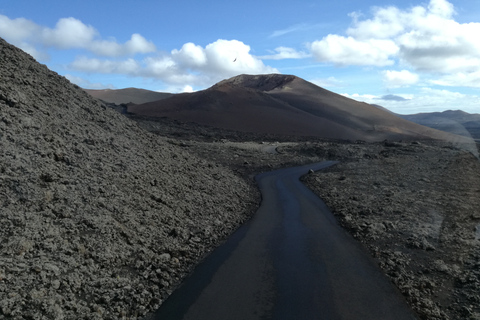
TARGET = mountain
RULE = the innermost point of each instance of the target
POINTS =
(97, 215)
(285, 105)
(453, 121)
(127, 95)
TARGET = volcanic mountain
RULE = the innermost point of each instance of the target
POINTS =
(285, 105)
(127, 95)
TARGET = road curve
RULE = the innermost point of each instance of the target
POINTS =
(290, 261)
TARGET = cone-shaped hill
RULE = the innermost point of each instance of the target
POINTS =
(98, 218)
(285, 105)
(127, 95)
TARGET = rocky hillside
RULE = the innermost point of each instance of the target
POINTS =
(99, 219)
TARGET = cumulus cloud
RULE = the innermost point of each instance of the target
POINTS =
(227, 58)
(191, 65)
(68, 33)
(396, 79)
(350, 51)
(281, 53)
(18, 32)
(110, 48)
(441, 8)
(190, 55)
(426, 38)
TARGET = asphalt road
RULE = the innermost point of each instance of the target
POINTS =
(291, 261)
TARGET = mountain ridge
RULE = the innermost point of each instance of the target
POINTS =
(454, 121)
(288, 105)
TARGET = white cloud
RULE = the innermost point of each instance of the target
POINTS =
(426, 38)
(190, 55)
(281, 53)
(227, 58)
(68, 33)
(110, 48)
(441, 8)
(442, 93)
(396, 79)
(349, 51)
(386, 23)
(442, 46)
(138, 44)
(192, 65)
(16, 30)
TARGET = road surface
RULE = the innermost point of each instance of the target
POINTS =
(291, 261)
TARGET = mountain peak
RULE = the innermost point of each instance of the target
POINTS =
(263, 82)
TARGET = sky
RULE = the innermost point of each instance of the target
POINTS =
(407, 56)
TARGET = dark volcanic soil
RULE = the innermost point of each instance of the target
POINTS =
(417, 208)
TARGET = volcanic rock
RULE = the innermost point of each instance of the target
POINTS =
(83, 229)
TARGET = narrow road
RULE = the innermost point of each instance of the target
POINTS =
(291, 261)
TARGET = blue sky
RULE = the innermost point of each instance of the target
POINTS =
(408, 56)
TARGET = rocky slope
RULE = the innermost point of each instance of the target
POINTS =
(99, 219)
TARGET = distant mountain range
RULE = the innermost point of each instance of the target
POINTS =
(288, 105)
(454, 121)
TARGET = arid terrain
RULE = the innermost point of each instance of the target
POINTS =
(103, 215)
(414, 205)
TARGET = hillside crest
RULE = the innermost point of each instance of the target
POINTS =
(262, 82)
